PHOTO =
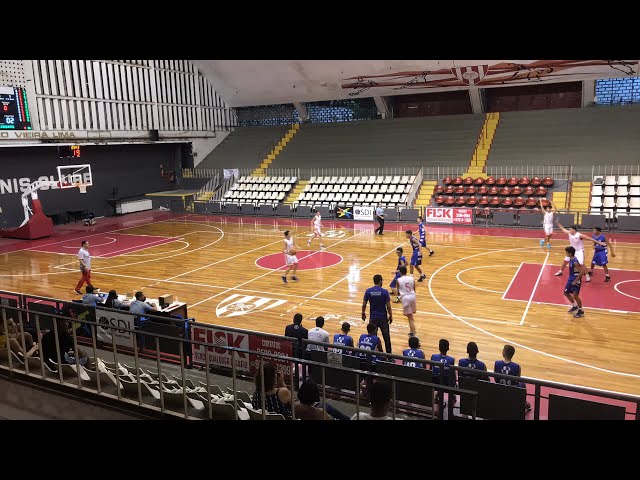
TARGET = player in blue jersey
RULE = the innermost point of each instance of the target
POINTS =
(572, 288)
(414, 352)
(416, 256)
(473, 362)
(507, 367)
(369, 341)
(343, 338)
(600, 253)
(402, 261)
(422, 231)
(446, 377)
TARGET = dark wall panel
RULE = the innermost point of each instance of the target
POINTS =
(427, 104)
(540, 96)
(133, 169)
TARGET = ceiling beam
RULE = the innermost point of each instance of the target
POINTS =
(302, 110)
(382, 107)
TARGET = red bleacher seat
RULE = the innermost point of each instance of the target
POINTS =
(545, 202)
(460, 201)
(535, 181)
(457, 181)
(528, 190)
(448, 189)
(505, 191)
(472, 200)
(494, 202)
(547, 182)
(439, 199)
(516, 190)
(494, 190)
(501, 182)
(531, 202)
(541, 190)
(518, 202)
(449, 200)
(482, 190)
(490, 181)
(506, 202)
(470, 190)
(447, 181)
(468, 181)
(483, 201)
(524, 181)
(479, 181)
(438, 189)
(459, 190)
(512, 181)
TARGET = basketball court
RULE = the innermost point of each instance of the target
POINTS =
(492, 286)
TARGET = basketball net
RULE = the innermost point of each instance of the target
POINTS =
(82, 187)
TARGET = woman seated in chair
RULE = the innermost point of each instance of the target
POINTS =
(65, 343)
(277, 397)
(15, 339)
(112, 300)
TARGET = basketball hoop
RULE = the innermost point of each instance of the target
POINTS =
(82, 187)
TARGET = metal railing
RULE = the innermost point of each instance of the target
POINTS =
(411, 196)
(553, 171)
(617, 170)
(201, 172)
(358, 172)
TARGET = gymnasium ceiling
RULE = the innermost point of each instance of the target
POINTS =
(264, 82)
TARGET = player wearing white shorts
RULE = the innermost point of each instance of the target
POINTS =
(547, 222)
(316, 225)
(407, 289)
(575, 239)
(290, 260)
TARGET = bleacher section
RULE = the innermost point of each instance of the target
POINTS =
(616, 196)
(258, 190)
(577, 137)
(389, 190)
(491, 193)
(245, 147)
(448, 140)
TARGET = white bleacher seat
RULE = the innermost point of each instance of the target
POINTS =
(387, 179)
(622, 191)
(343, 188)
(315, 196)
(623, 180)
(375, 188)
(634, 202)
(335, 188)
(370, 198)
(635, 181)
(323, 197)
(386, 198)
(384, 188)
(595, 211)
(371, 180)
(359, 188)
(378, 198)
(395, 198)
(396, 179)
(367, 188)
(355, 180)
(412, 179)
(407, 188)
(609, 191)
(634, 191)
(361, 198)
(333, 180)
(348, 180)
(337, 197)
(293, 179)
(280, 196)
(598, 180)
(351, 189)
(596, 202)
(403, 198)
(404, 180)
(341, 180)
(609, 202)
(312, 188)
(363, 180)
(608, 212)
(610, 180)
(379, 179)
(596, 191)
(331, 197)
(280, 180)
(392, 188)
(622, 202)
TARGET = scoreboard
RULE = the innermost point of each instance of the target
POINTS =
(14, 111)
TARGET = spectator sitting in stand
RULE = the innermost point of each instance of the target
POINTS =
(414, 352)
(91, 298)
(277, 397)
(380, 399)
(112, 300)
(310, 407)
(65, 342)
(15, 339)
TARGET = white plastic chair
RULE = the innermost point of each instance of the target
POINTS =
(596, 191)
(635, 181)
(634, 191)
(622, 191)
(609, 191)
(596, 202)
(610, 180)
(623, 180)
(622, 202)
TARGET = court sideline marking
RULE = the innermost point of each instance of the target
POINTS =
(482, 330)
(533, 290)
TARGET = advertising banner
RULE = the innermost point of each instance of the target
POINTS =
(364, 213)
(456, 216)
(220, 357)
(110, 321)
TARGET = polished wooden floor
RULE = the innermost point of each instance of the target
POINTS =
(211, 263)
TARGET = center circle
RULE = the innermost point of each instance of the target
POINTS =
(307, 260)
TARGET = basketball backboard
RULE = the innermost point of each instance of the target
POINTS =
(72, 176)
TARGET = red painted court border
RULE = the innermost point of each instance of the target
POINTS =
(595, 294)
(307, 260)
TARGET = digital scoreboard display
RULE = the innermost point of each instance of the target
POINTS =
(14, 111)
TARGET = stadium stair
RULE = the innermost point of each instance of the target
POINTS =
(261, 171)
(580, 197)
(483, 146)
(425, 194)
(295, 192)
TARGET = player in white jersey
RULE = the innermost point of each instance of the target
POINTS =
(407, 291)
(290, 258)
(547, 222)
(316, 225)
(576, 241)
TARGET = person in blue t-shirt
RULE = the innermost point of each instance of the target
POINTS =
(600, 253)
(402, 262)
(422, 230)
(414, 352)
(572, 288)
(507, 367)
(473, 362)
(380, 312)
(343, 338)
(369, 341)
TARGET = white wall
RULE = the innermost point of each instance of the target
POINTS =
(204, 146)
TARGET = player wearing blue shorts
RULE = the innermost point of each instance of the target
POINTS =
(422, 230)
(572, 288)
(402, 261)
(416, 256)
(600, 252)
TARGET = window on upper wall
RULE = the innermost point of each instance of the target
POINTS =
(342, 110)
(283, 114)
(617, 91)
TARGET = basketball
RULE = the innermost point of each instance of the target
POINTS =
(292, 251)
